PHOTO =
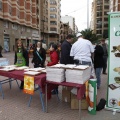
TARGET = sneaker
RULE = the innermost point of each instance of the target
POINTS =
(98, 87)
(105, 73)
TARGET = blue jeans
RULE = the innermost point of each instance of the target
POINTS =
(77, 62)
(98, 76)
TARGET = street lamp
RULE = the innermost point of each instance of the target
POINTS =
(87, 14)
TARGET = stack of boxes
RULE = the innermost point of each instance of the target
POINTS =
(71, 98)
(70, 73)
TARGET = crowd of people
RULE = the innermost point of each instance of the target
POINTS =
(82, 52)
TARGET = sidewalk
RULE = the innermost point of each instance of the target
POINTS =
(14, 106)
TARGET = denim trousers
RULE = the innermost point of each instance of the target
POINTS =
(83, 63)
(98, 75)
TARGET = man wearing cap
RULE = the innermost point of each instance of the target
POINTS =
(105, 56)
(82, 51)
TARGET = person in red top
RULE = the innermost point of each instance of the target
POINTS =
(54, 59)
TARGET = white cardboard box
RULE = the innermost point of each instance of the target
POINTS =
(77, 75)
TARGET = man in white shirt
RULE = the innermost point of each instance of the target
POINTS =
(82, 51)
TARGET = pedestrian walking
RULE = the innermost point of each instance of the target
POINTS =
(65, 57)
(105, 56)
(21, 57)
(98, 63)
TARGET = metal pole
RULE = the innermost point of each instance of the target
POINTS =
(43, 29)
(39, 18)
(87, 14)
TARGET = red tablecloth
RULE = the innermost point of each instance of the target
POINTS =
(80, 87)
(41, 81)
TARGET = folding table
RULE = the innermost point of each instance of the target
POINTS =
(80, 92)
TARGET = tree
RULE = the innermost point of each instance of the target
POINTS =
(88, 34)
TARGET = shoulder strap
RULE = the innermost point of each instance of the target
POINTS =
(39, 55)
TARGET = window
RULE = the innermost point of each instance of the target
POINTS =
(53, 16)
(6, 24)
(10, 10)
(23, 29)
(18, 13)
(99, 32)
(99, 8)
(53, 29)
(28, 30)
(106, 7)
(53, 23)
(53, 2)
(14, 26)
(53, 9)
(99, 14)
(18, 2)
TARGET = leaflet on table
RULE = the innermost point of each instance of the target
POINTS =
(7, 69)
(21, 68)
(35, 69)
(71, 66)
(32, 73)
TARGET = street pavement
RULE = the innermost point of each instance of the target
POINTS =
(14, 106)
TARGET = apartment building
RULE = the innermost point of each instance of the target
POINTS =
(18, 20)
(99, 22)
(71, 21)
(50, 13)
(114, 5)
(64, 31)
(54, 20)
(30, 21)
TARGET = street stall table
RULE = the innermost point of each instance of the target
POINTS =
(80, 91)
(19, 75)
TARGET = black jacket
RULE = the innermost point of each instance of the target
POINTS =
(98, 57)
(25, 55)
(65, 53)
(36, 60)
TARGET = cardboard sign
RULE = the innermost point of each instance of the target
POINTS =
(28, 84)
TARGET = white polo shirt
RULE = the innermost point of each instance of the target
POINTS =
(82, 50)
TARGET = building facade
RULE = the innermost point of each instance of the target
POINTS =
(99, 22)
(30, 21)
(18, 20)
(114, 5)
(54, 15)
(71, 21)
(64, 31)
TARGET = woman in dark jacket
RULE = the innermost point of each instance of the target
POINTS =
(98, 63)
(39, 56)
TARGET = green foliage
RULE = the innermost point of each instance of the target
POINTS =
(88, 34)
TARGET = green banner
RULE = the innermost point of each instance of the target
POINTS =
(113, 89)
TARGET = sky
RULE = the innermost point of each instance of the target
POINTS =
(78, 10)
